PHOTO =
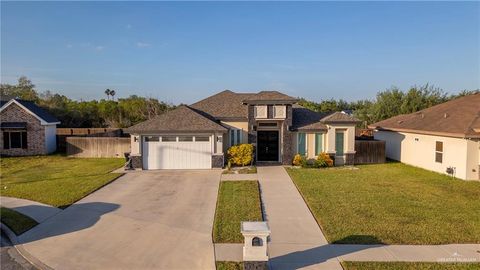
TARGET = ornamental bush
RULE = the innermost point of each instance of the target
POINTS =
(299, 160)
(324, 160)
(240, 154)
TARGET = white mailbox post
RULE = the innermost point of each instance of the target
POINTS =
(255, 245)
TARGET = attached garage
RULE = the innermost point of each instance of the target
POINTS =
(178, 139)
(177, 152)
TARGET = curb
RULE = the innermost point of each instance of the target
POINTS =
(19, 247)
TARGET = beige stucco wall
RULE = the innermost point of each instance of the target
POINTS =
(419, 150)
(243, 125)
(328, 140)
(134, 145)
(349, 140)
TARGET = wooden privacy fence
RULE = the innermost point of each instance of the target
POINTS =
(368, 152)
(98, 132)
(97, 146)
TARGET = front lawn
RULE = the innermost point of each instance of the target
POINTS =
(409, 266)
(17, 222)
(55, 180)
(391, 203)
(237, 201)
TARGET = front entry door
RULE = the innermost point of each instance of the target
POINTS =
(267, 145)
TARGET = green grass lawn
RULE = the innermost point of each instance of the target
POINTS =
(409, 266)
(237, 201)
(391, 203)
(55, 180)
(17, 222)
(229, 265)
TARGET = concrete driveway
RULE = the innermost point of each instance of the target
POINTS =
(143, 220)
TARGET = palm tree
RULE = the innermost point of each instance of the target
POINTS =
(108, 92)
(112, 93)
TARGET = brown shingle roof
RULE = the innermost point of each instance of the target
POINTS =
(305, 119)
(339, 117)
(271, 96)
(224, 105)
(457, 118)
(182, 119)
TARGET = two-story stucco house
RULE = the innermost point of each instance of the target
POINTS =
(197, 136)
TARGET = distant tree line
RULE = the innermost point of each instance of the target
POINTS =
(125, 112)
(119, 113)
(387, 103)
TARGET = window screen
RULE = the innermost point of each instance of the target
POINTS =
(439, 152)
(318, 143)
(301, 142)
(15, 140)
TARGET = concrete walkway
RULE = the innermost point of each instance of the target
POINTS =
(37, 211)
(295, 233)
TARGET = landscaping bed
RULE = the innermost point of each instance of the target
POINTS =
(229, 265)
(409, 266)
(17, 222)
(237, 201)
(241, 170)
(55, 180)
(391, 203)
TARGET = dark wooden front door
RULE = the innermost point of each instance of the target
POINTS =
(267, 146)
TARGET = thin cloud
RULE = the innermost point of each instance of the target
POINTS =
(69, 46)
(99, 48)
(143, 44)
(128, 26)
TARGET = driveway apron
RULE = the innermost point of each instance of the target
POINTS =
(143, 220)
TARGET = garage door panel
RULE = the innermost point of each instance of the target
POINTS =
(177, 155)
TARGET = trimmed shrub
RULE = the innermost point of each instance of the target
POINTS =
(240, 154)
(299, 160)
(323, 160)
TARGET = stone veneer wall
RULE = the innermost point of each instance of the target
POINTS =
(218, 161)
(136, 161)
(35, 132)
(252, 134)
(287, 138)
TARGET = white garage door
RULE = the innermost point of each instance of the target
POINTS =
(177, 152)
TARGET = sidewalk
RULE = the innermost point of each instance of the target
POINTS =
(37, 211)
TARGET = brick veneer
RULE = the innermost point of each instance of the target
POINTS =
(35, 132)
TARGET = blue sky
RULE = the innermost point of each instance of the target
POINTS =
(184, 51)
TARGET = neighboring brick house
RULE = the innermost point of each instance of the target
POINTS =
(26, 129)
(197, 136)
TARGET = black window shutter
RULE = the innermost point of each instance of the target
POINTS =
(6, 140)
(24, 140)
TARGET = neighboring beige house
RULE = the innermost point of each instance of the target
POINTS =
(198, 136)
(441, 138)
(26, 129)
